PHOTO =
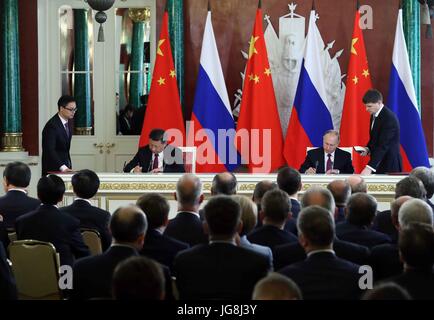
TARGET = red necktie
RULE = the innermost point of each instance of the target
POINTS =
(329, 162)
(155, 164)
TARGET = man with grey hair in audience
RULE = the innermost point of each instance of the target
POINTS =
(287, 254)
(322, 275)
(427, 177)
(187, 226)
(276, 287)
(357, 183)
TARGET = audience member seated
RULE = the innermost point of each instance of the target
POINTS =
(276, 287)
(387, 291)
(416, 247)
(187, 226)
(85, 184)
(360, 211)
(248, 218)
(290, 253)
(260, 189)
(357, 183)
(289, 180)
(427, 177)
(8, 289)
(16, 202)
(276, 209)
(409, 186)
(158, 246)
(341, 192)
(322, 275)
(49, 224)
(138, 278)
(93, 275)
(219, 269)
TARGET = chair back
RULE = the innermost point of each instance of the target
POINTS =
(35, 266)
(92, 239)
(12, 234)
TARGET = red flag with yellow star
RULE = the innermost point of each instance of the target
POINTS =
(164, 106)
(355, 119)
(259, 134)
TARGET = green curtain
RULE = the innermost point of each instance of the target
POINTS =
(137, 56)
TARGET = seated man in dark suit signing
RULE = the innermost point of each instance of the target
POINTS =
(85, 184)
(322, 275)
(329, 158)
(49, 224)
(219, 269)
(157, 156)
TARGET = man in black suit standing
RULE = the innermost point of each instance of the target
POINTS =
(16, 202)
(49, 224)
(85, 184)
(219, 269)
(328, 159)
(322, 275)
(383, 145)
(56, 138)
(157, 156)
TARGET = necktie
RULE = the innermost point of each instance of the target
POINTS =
(373, 121)
(67, 129)
(329, 162)
(155, 164)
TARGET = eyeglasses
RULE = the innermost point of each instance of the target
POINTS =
(72, 110)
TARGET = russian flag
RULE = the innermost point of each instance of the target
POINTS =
(310, 117)
(402, 100)
(216, 151)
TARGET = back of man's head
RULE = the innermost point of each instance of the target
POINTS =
(156, 207)
(395, 205)
(222, 216)
(319, 196)
(276, 287)
(189, 190)
(361, 209)
(275, 206)
(410, 186)
(260, 188)
(341, 192)
(315, 224)
(138, 278)
(289, 180)
(85, 183)
(427, 177)
(224, 183)
(416, 246)
(50, 189)
(249, 213)
(387, 291)
(415, 211)
(357, 183)
(127, 224)
(17, 174)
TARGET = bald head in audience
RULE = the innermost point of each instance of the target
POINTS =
(395, 205)
(276, 287)
(341, 191)
(319, 196)
(414, 211)
(357, 184)
(128, 226)
(189, 193)
(224, 183)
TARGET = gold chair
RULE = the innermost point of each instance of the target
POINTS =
(92, 239)
(35, 266)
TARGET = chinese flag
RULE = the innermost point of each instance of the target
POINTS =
(355, 119)
(164, 107)
(259, 110)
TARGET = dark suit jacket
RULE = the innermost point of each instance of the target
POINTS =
(383, 223)
(55, 146)
(362, 236)
(384, 143)
(291, 224)
(91, 217)
(14, 204)
(8, 290)
(385, 261)
(294, 252)
(325, 276)
(161, 247)
(172, 161)
(219, 271)
(49, 224)
(186, 227)
(342, 161)
(418, 283)
(271, 236)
